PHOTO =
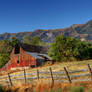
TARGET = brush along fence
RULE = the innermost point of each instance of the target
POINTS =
(53, 76)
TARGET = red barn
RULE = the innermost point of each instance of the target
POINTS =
(27, 55)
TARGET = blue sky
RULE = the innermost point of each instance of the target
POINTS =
(28, 15)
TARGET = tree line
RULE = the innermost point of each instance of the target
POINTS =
(70, 49)
(62, 48)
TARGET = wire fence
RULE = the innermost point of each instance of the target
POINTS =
(64, 76)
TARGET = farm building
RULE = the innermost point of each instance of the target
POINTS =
(27, 55)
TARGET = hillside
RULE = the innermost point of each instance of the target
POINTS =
(45, 82)
(81, 31)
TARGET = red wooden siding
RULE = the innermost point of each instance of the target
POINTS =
(24, 59)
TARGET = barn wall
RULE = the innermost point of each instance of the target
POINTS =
(24, 58)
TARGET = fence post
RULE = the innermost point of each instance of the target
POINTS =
(37, 74)
(25, 75)
(51, 73)
(67, 74)
(90, 71)
(10, 79)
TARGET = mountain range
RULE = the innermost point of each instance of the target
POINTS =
(80, 31)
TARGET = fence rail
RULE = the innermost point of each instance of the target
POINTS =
(63, 76)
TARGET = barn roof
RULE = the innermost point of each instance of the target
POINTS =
(38, 55)
(35, 55)
(37, 49)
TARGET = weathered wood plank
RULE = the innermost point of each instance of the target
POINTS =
(10, 79)
(80, 75)
(67, 74)
(90, 71)
(51, 73)
(37, 74)
(24, 75)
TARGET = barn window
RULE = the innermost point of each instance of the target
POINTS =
(18, 61)
(17, 49)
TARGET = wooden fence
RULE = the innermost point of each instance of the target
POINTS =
(53, 76)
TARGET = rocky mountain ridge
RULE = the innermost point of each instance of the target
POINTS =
(80, 31)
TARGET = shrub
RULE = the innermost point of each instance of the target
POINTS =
(1, 89)
(54, 90)
(76, 89)
(89, 90)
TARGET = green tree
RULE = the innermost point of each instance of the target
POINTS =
(4, 58)
(35, 40)
(61, 48)
(13, 41)
(5, 49)
(27, 39)
(68, 48)
(32, 41)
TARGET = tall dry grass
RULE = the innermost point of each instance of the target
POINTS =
(42, 86)
(45, 85)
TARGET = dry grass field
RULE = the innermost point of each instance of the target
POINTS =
(44, 86)
(74, 65)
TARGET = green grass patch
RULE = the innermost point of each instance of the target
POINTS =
(76, 89)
